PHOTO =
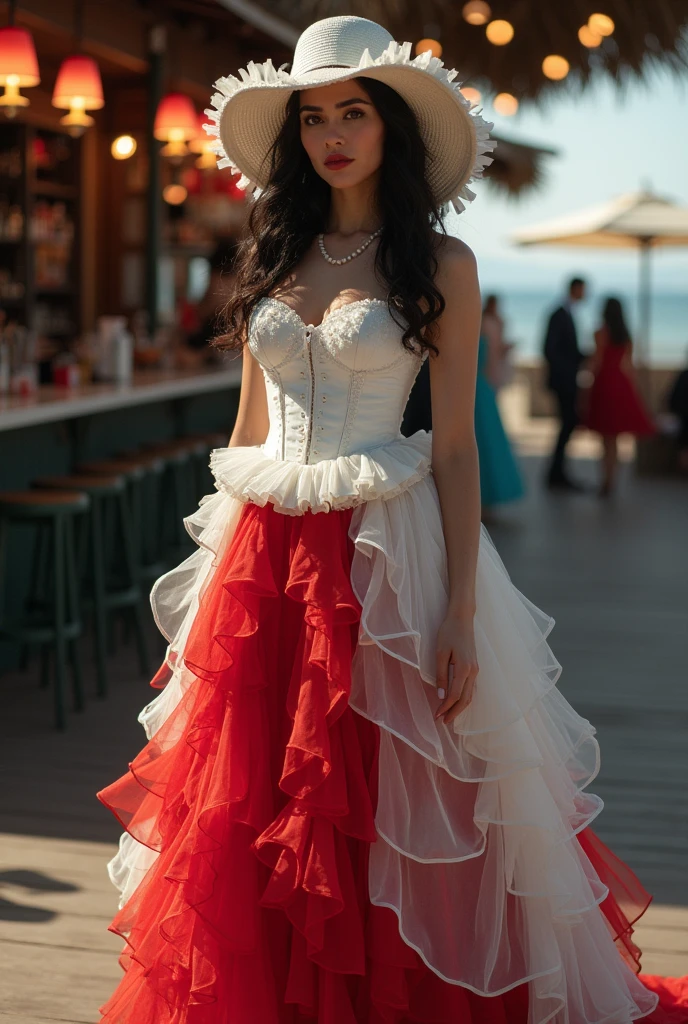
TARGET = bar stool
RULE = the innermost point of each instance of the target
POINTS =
(112, 583)
(143, 473)
(205, 481)
(55, 620)
(178, 494)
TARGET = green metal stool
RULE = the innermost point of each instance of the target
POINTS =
(55, 620)
(179, 496)
(205, 482)
(112, 584)
(143, 473)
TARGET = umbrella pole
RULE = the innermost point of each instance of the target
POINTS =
(644, 298)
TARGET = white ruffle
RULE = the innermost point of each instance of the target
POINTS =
(399, 54)
(478, 820)
(477, 854)
(349, 480)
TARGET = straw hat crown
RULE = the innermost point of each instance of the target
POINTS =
(249, 109)
(338, 42)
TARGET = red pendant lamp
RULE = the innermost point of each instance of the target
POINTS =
(18, 67)
(201, 144)
(78, 88)
(176, 123)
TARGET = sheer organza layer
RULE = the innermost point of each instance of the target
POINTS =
(481, 859)
(250, 814)
(481, 818)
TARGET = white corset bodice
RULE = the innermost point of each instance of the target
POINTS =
(333, 389)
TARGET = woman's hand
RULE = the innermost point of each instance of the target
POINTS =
(456, 648)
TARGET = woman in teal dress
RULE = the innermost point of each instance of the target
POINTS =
(500, 477)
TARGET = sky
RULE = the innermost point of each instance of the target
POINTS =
(609, 142)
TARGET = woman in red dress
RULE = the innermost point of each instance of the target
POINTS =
(615, 407)
(363, 797)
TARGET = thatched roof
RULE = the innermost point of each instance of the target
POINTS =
(647, 32)
(516, 167)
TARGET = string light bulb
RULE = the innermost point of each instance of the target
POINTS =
(589, 38)
(429, 44)
(174, 194)
(123, 147)
(500, 32)
(471, 94)
(601, 24)
(476, 12)
(505, 104)
(555, 67)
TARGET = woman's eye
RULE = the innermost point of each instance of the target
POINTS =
(358, 113)
(308, 119)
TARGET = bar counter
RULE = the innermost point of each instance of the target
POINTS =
(53, 404)
(57, 429)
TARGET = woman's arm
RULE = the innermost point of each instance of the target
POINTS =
(490, 331)
(596, 358)
(455, 468)
(252, 420)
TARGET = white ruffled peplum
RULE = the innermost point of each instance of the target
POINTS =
(477, 855)
(293, 487)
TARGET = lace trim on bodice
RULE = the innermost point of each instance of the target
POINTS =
(317, 374)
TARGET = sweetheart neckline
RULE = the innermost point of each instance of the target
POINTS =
(316, 327)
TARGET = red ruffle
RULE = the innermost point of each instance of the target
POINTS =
(259, 794)
(673, 999)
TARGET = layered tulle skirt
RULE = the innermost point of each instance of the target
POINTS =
(303, 840)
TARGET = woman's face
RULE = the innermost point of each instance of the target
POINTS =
(342, 133)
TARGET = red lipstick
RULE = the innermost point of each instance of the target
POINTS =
(337, 161)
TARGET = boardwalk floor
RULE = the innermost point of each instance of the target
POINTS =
(615, 577)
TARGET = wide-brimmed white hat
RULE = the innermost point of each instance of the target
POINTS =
(248, 111)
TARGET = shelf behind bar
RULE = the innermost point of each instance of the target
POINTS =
(53, 404)
(53, 189)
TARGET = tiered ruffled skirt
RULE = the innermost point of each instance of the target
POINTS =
(304, 841)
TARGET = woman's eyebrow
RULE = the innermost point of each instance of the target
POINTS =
(342, 103)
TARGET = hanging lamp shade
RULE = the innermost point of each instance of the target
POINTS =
(201, 139)
(201, 144)
(176, 123)
(78, 88)
(18, 67)
(78, 80)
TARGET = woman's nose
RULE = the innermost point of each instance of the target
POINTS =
(333, 138)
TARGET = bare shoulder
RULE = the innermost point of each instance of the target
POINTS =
(456, 263)
(457, 271)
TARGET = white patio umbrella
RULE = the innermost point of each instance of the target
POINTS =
(638, 220)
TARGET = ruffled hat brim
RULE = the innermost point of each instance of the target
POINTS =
(248, 112)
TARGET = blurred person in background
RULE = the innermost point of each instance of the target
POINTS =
(678, 405)
(500, 478)
(199, 323)
(499, 350)
(614, 405)
(564, 358)
(418, 411)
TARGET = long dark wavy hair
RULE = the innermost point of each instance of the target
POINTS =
(613, 317)
(294, 208)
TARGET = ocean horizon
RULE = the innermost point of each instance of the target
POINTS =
(526, 313)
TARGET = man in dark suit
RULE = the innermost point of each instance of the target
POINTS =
(563, 358)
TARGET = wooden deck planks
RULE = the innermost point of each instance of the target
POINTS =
(614, 577)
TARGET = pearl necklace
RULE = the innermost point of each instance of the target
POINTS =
(353, 255)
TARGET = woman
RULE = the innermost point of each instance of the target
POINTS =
(501, 351)
(500, 478)
(614, 406)
(335, 819)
